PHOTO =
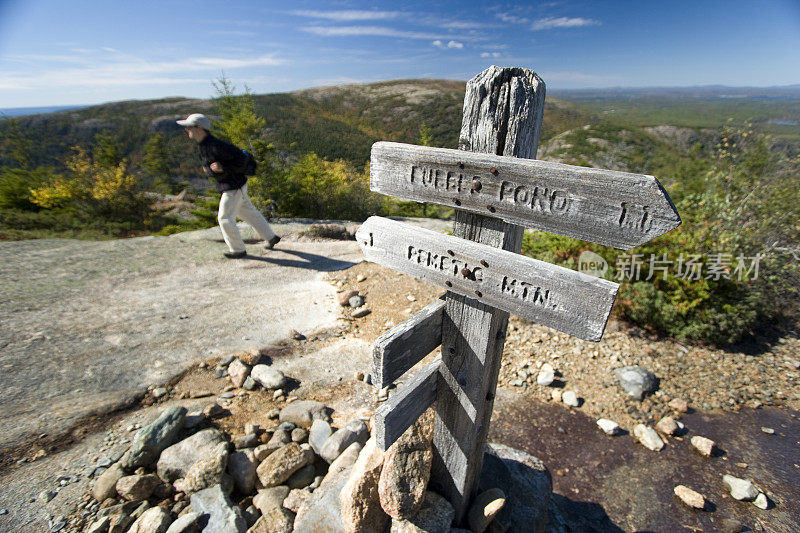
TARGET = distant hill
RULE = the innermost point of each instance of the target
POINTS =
(343, 121)
(21, 111)
(335, 122)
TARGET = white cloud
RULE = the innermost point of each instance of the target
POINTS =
(348, 15)
(375, 31)
(452, 44)
(514, 19)
(563, 22)
(93, 73)
(490, 54)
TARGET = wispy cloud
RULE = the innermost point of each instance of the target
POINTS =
(348, 15)
(376, 31)
(491, 54)
(563, 22)
(513, 19)
(131, 72)
(452, 44)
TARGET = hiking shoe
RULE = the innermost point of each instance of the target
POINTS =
(272, 242)
(234, 255)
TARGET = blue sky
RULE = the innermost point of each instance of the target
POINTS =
(59, 52)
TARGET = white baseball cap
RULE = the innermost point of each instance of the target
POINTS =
(196, 119)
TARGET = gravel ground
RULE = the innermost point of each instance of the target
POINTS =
(708, 379)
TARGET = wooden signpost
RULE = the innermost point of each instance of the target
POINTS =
(497, 189)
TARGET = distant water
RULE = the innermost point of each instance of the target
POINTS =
(20, 111)
(783, 122)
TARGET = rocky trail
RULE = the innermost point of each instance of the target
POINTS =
(101, 339)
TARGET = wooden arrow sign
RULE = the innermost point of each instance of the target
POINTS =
(554, 296)
(613, 208)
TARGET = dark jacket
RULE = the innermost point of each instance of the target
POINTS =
(232, 159)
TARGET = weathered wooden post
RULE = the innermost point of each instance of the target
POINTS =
(503, 110)
(496, 188)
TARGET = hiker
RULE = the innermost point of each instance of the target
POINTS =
(226, 165)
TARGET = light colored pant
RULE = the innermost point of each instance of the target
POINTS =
(237, 203)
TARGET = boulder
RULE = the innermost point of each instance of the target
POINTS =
(242, 468)
(222, 515)
(318, 434)
(360, 504)
(406, 472)
(105, 486)
(206, 472)
(152, 439)
(176, 460)
(355, 431)
(279, 439)
(636, 381)
(153, 520)
(282, 463)
(435, 516)
(238, 372)
(268, 377)
(303, 413)
(668, 426)
(136, 487)
(526, 482)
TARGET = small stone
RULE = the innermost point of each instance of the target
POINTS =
(360, 504)
(238, 372)
(690, 497)
(228, 359)
(356, 301)
(206, 472)
(226, 395)
(679, 404)
(213, 410)
(270, 498)
(137, 487)
(768, 431)
(242, 468)
(484, 508)
(344, 297)
(159, 392)
(546, 376)
(152, 439)
(703, 445)
(220, 373)
(359, 376)
(278, 394)
(295, 499)
(741, 489)
(296, 335)
(570, 398)
(251, 428)
(648, 437)
(362, 312)
(730, 525)
(302, 478)
(609, 427)
(246, 441)
(268, 377)
(667, 426)
(155, 520)
(556, 395)
(185, 523)
(361, 277)
(46, 495)
(224, 516)
(262, 452)
(355, 431)
(282, 463)
(105, 486)
(636, 381)
(761, 501)
(249, 383)
(273, 413)
(299, 435)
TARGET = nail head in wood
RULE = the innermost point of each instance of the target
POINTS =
(484, 263)
(477, 185)
(466, 272)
